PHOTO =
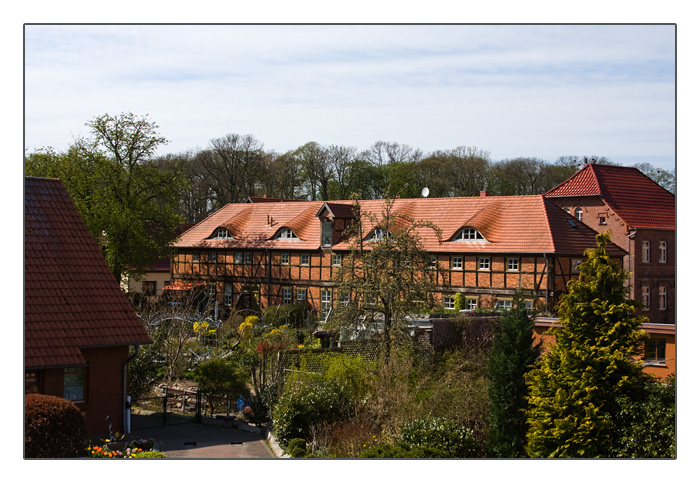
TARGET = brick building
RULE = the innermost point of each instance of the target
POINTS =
(78, 324)
(641, 217)
(285, 252)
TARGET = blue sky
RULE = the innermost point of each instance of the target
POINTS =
(512, 90)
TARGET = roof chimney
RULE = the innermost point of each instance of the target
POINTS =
(484, 194)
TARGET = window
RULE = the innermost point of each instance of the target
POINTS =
(247, 258)
(325, 302)
(286, 296)
(662, 297)
(238, 257)
(284, 258)
(345, 299)
(601, 220)
(576, 265)
(337, 259)
(645, 252)
(513, 264)
(211, 290)
(301, 294)
(433, 262)
(662, 252)
(504, 305)
(468, 234)
(32, 382)
(222, 233)
(195, 257)
(228, 294)
(655, 351)
(74, 383)
(148, 288)
(305, 259)
(212, 257)
(646, 297)
(286, 234)
(528, 305)
(327, 233)
(471, 303)
(448, 302)
(568, 210)
(456, 263)
(578, 213)
(378, 234)
(484, 264)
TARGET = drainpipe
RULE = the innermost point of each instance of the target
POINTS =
(630, 236)
(126, 399)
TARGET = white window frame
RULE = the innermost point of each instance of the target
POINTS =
(74, 379)
(284, 258)
(663, 252)
(337, 259)
(287, 295)
(228, 294)
(513, 265)
(576, 265)
(378, 234)
(504, 304)
(195, 256)
(286, 234)
(663, 298)
(247, 258)
(468, 235)
(305, 259)
(448, 301)
(433, 261)
(457, 263)
(326, 233)
(578, 213)
(326, 302)
(646, 297)
(211, 289)
(646, 251)
(484, 264)
(212, 256)
(301, 294)
(471, 303)
(222, 233)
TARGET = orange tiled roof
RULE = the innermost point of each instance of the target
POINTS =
(510, 224)
(635, 198)
(71, 298)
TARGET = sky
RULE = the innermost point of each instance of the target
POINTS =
(541, 91)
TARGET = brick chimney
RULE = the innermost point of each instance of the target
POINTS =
(484, 194)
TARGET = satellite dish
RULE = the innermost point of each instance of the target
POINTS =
(425, 192)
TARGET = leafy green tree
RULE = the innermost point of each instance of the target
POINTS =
(575, 387)
(459, 301)
(387, 276)
(220, 380)
(512, 354)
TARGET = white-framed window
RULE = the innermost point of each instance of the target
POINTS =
(646, 251)
(327, 233)
(74, 383)
(663, 253)
(663, 301)
(468, 234)
(305, 259)
(504, 305)
(484, 263)
(568, 210)
(471, 303)
(222, 233)
(655, 351)
(457, 263)
(646, 297)
(513, 264)
(212, 257)
(286, 234)
(528, 305)
(326, 301)
(378, 234)
(578, 213)
(247, 258)
(286, 295)
(228, 294)
(238, 257)
(576, 265)
(448, 301)
(301, 294)
(602, 219)
(284, 258)
(195, 257)
(433, 261)
(211, 290)
(345, 298)
(337, 259)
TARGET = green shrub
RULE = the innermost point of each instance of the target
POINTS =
(403, 450)
(53, 428)
(149, 455)
(297, 448)
(459, 301)
(441, 434)
(304, 406)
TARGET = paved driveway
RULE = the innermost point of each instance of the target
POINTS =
(204, 441)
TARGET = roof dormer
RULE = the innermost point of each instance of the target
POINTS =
(221, 233)
(468, 234)
(285, 233)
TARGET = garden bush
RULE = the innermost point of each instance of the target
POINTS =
(403, 450)
(441, 434)
(149, 454)
(297, 448)
(53, 428)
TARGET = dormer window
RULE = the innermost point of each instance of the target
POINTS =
(221, 233)
(378, 234)
(468, 234)
(286, 234)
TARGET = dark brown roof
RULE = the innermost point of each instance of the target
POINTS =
(635, 198)
(71, 298)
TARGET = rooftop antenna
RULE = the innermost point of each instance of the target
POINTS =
(425, 192)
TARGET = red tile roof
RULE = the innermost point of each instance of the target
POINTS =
(71, 298)
(510, 224)
(635, 198)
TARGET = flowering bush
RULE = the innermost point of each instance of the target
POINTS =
(441, 434)
(133, 449)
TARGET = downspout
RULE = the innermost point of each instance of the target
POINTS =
(546, 288)
(126, 401)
